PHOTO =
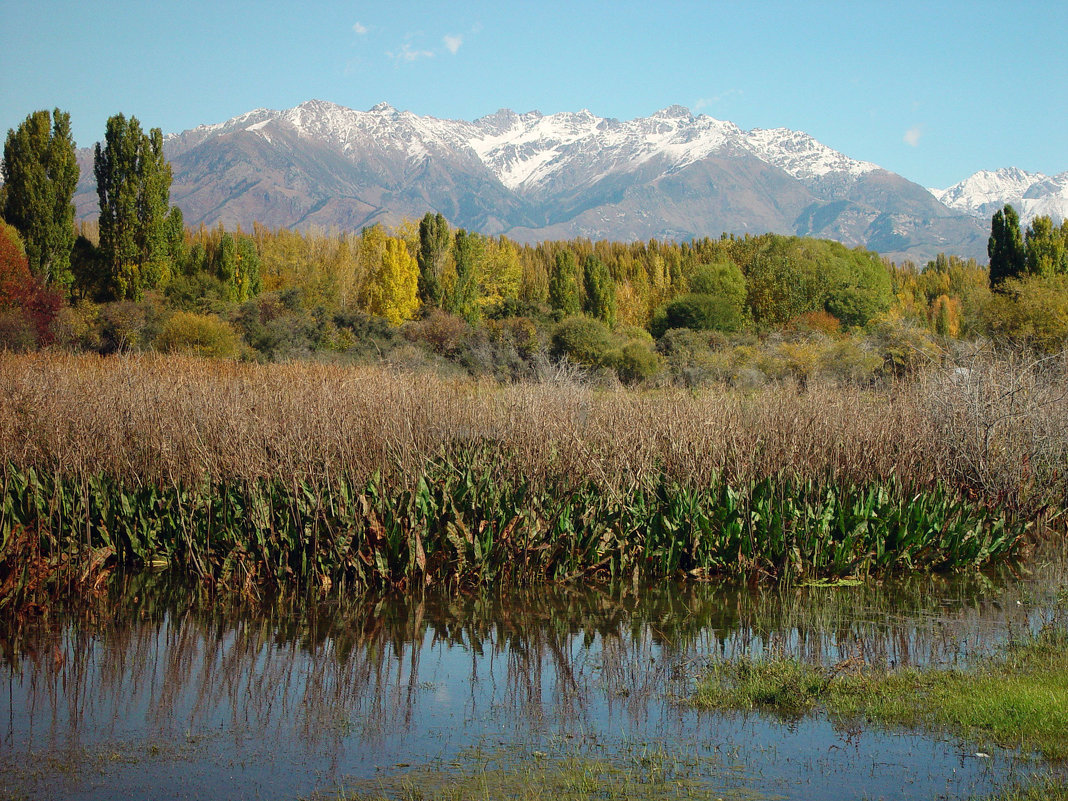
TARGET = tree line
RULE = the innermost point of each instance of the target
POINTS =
(141, 245)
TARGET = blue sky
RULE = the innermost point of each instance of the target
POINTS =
(931, 90)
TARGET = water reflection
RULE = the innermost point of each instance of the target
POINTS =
(297, 696)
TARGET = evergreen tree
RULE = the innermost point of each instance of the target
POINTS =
(435, 240)
(133, 183)
(600, 290)
(40, 174)
(1005, 246)
(563, 284)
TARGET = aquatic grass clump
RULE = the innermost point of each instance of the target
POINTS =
(1018, 699)
(463, 522)
(1042, 788)
(564, 771)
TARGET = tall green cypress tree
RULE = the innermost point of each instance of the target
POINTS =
(468, 250)
(563, 284)
(1005, 247)
(154, 203)
(40, 174)
(600, 290)
(435, 239)
(133, 182)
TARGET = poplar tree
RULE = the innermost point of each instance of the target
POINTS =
(563, 283)
(600, 290)
(435, 240)
(133, 182)
(40, 174)
(1046, 247)
(1005, 246)
(392, 288)
(468, 251)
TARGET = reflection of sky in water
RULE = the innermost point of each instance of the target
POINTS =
(243, 708)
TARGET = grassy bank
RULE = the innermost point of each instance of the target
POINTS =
(362, 476)
(1016, 700)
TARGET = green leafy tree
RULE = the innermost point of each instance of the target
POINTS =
(600, 290)
(563, 284)
(435, 242)
(698, 313)
(133, 182)
(1046, 247)
(1005, 246)
(174, 232)
(468, 252)
(40, 174)
(723, 279)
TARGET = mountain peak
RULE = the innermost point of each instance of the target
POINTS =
(673, 174)
(675, 112)
(1032, 194)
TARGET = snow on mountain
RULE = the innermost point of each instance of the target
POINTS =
(673, 174)
(1048, 197)
(1032, 194)
(802, 156)
(526, 151)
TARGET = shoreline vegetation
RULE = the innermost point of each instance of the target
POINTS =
(369, 478)
(1017, 699)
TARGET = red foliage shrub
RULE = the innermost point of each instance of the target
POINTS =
(22, 292)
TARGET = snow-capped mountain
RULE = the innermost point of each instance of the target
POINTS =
(1032, 194)
(533, 176)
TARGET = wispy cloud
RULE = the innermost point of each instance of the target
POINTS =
(912, 135)
(408, 54)
(705, 102)
(359, 29)
(452, 43)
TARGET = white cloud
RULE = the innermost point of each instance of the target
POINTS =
(408, 53)
(452, 43)
(912, 135)
(359, 29)
(705, 102)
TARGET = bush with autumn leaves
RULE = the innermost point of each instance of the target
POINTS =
(27, 306)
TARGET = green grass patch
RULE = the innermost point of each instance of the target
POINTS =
(1044, 788)
(1018, 699)
(642, 773)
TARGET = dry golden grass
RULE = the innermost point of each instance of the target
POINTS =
(999, 429)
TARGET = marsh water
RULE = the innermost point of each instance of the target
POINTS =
(162, 692)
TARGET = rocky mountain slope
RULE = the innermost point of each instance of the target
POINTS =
(533, 176)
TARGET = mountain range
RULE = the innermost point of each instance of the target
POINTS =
(673, 175)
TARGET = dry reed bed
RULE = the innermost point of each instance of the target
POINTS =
(168, 420)
(370, 478)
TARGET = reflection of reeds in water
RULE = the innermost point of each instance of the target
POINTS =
(338, 670)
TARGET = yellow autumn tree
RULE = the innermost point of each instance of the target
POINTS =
(500, 275)
(945, 316)
(392, 288)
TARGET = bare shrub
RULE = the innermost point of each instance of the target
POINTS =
(1002, 419)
